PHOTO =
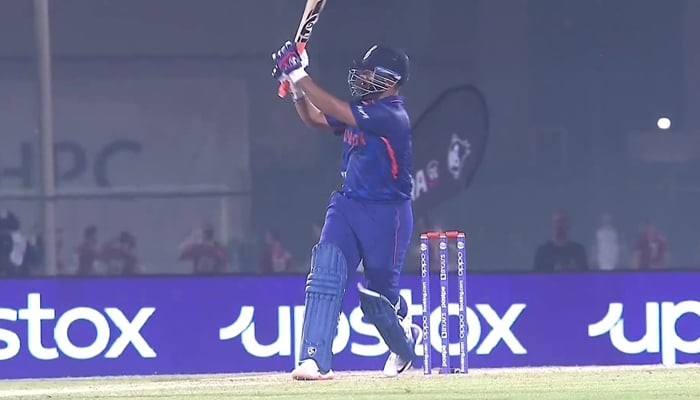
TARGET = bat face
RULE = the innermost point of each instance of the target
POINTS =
(311, 14)
(308, 20)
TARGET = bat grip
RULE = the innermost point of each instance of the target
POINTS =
(283, 89)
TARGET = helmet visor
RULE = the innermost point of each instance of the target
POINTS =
(364, 82)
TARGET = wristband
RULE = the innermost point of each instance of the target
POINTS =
(296, 75)
(297, 94)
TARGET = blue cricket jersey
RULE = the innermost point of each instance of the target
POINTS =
(377, 155)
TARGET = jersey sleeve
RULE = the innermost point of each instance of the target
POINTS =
(337, 126)
(371, 118)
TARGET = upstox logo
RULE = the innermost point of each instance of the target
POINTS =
(661, 333)
(482, 337)
(34, 315)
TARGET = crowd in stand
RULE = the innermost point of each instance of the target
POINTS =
(608, 249)
(609, 252)
(23, 256)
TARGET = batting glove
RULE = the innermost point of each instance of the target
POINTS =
(289, 62)
(296, 92)
(280, 76)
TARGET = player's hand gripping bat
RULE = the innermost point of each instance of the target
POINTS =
(308, 20)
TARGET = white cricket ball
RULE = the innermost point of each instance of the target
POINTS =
(663, 123)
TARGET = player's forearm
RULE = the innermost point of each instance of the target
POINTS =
(312, 116)
(326, 102)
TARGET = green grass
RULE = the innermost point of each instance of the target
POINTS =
(586, 383)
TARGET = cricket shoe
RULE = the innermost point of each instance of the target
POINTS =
(308, 370)
(395, 364)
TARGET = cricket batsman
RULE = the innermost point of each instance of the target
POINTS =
(370, 218)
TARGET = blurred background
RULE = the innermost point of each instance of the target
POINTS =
(172, 153)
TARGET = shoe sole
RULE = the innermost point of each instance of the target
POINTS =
(299, 376)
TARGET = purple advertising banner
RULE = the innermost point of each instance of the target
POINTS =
(183, 325)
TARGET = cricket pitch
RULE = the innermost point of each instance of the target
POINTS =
(577, 383)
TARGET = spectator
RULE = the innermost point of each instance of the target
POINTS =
(119, 256)
(651, 248)
(13, 245)
(275, 258)
(607, 245)
(87, 252)
(207, 255)
(560, 253)
(34, 256)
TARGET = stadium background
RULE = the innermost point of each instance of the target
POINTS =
(574, 90)
(166, 120)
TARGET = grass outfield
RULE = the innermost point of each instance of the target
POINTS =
(633, 383)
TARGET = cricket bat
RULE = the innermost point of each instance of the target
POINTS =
(308, 20)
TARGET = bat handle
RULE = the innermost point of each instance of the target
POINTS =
(283, 89)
